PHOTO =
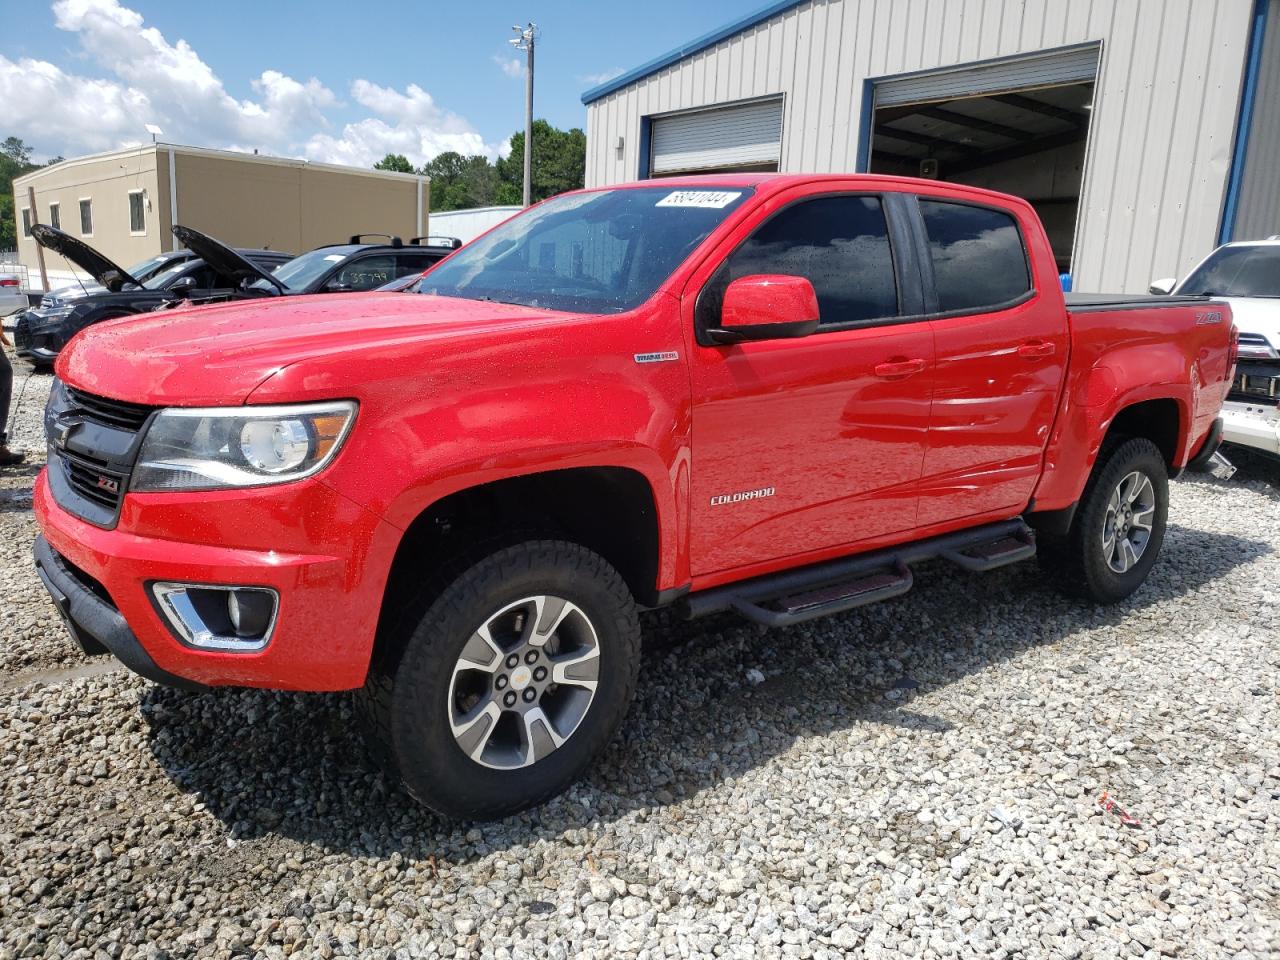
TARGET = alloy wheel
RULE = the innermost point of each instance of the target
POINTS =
(523, 682)
(1126, 526)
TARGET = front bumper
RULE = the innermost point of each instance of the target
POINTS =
(38, 339)
(1254, 425)
(324, 555)
(93, 621)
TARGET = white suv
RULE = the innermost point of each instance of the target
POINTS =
(1247, 275)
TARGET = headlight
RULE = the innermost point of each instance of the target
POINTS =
(221, 447)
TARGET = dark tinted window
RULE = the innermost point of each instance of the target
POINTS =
(413, 263)
(1237, 272)
(840, 244)
(978, 257)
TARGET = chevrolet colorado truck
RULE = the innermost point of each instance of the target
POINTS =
(762, 394)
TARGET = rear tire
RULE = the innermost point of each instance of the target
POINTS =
(1119, 525)
(511, 682)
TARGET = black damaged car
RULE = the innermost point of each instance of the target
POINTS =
(43, 331)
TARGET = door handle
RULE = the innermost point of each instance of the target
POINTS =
(893, 369)
(1034, 349)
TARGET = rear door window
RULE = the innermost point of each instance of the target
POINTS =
(979, 260)
(839, 243)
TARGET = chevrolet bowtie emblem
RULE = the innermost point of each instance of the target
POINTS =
(62, 430)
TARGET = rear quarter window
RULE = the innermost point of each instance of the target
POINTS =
(978, 255)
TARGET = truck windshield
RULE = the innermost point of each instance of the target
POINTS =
(599, 252)
(1237, 272)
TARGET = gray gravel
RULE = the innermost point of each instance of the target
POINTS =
(918, 778)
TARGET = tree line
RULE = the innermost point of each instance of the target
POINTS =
(15, 160)
(459, 183)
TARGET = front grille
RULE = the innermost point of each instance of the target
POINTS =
(93, 481)
(108, 412)
(1252, 387)
(22, 339)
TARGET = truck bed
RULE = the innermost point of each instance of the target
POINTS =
(1091, 302)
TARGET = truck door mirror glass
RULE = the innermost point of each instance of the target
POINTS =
(1162, 288)
(766, 306)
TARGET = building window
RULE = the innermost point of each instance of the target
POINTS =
(137, 216)
(26, 222)
(86, 217)
(55, 216)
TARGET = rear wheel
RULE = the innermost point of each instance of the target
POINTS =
(1119, 525)
(510, 684)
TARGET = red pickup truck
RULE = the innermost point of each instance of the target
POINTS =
(764, 394)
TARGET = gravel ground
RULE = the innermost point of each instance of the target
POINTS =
(919, 778)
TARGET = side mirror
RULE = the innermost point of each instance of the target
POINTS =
(766, 306)
(1162, 288)
(183, 285)
(337, 286)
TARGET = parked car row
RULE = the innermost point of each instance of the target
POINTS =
(207, 271)
(1247, 276)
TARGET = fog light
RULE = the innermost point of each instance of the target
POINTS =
(213, 617)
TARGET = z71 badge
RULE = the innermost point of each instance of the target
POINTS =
(1211, 316)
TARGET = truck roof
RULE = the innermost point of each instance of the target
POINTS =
(774, 182)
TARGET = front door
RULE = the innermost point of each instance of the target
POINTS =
(804, 445)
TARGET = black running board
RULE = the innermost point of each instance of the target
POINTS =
(795, 596)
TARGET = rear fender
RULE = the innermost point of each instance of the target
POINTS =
(1093, 400)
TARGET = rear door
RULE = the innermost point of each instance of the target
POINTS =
(1001, 353)
(808, 445)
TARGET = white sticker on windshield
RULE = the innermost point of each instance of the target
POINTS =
(710, 199)
(334, 257)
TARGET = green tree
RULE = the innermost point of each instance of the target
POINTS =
(15, 160)
(559, 163)
(396, 163)
(16, 150)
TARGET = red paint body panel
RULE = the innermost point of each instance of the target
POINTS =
(863, 437)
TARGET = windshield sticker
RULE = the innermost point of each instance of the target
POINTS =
(707, 199)
(334, 257)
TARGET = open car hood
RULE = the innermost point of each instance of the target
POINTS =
(110, 275)
(223, 259)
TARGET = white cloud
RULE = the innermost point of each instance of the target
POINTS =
(149, 79)
(595, 79)
(410, 123)
(512, 67)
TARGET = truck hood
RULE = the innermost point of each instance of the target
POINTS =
(108, 274)
(223, 259)
(219, 354)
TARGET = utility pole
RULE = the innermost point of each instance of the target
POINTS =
(525, 41)
(31, 203)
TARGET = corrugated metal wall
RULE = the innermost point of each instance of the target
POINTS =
(1163, 119)
(1258, 213)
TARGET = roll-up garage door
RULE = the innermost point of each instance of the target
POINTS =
(724, 138)
(1050, 68)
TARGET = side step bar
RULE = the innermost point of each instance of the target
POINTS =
(795, 596)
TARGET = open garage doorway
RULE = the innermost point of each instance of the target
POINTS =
(1018, 126)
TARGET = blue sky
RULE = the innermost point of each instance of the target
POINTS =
(333, 81)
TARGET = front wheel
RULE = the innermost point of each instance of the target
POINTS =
(510, 684)
(1119, 524)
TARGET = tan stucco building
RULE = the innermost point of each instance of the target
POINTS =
(125, 202)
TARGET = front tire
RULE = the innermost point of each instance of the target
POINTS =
(514, 679)
(1119, 525)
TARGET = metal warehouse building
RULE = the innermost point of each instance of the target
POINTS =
(1144, 131)
(123, 203)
